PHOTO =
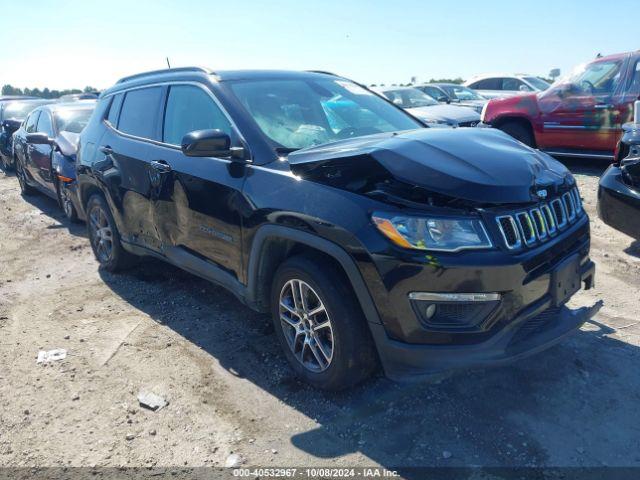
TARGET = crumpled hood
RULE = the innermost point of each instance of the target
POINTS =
(68, 143)
(448, 113)
(478, 164)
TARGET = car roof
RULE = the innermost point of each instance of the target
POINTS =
(190, 73)
(78, 105)
(389, 89)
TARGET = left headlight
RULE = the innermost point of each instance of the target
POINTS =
(444, 234)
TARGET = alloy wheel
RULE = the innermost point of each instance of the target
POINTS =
(306, 325)
(67, 204)
(101, 234)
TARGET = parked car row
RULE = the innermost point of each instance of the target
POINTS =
(371, 238)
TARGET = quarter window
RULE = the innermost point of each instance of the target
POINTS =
(32, 121)
(188, 109)
(139, 112)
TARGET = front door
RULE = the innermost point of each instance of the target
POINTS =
(584, 115)
(197, 199)
(41, 154)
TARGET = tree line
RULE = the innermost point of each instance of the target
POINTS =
(45, 92)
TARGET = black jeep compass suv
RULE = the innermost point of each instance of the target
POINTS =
(370, 239)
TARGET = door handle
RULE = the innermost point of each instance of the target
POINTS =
(106, 149)
(161, 166)
(602, 106)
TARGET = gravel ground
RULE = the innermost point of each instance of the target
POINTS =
(230, 391)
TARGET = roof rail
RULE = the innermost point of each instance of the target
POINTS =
(323, 71)
(165, 70)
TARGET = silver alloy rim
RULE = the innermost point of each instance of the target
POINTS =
(67, 204)
(306, 325)
(101, 234)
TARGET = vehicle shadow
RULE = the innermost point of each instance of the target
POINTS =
(559, 408)
(585, 166)
(633, 249)
(49, 207)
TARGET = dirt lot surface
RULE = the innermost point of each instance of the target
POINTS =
(160, 330)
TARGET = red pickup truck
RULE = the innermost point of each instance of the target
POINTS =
(580, 116)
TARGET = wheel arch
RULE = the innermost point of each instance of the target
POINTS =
(518, 119)
(273, 244)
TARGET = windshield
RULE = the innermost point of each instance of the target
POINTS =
(305, 112)
(20, 110)
(597, 78)
(538, 83)
(409, 98)
(461, 93)
(72, 121)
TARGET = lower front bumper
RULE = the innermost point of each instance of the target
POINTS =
(537, 328)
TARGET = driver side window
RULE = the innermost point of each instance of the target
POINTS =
(190, 108)
(32, 121)
(45, 125)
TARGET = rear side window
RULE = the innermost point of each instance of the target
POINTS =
(114, 110)
(190, 108)
(487, 84)
(32, 121)
(44, 124)
(139, 112)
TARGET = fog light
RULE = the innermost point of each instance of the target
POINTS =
(430, 311)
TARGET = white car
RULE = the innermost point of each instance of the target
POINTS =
(497, 86)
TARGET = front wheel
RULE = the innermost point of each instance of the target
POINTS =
(104, 236)
(65, 202)
(320, 325)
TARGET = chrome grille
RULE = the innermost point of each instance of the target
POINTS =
(537, 225)
(569, 205)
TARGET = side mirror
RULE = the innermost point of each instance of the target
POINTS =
(443, 99)
(524, 88)
(39, 139)
(11, 125)
(210, 143)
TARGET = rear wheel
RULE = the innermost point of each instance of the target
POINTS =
(104, 236)
(25, 188)
(520, 132)
(320, 326)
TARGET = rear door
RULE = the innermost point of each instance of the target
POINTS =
(197, 198)
(131, 131)
(585, 115)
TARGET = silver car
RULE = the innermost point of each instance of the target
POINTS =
(427, 109)
(498, 86)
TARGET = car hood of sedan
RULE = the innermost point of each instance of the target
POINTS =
(447, 113)
(68, 143)
(481, 165)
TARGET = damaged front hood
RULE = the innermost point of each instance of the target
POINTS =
(476, 164)
(68, 143)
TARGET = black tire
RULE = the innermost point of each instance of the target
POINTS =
(117, 258)
(520, 132)
(25, 189)
(353, 357)
(66, 204)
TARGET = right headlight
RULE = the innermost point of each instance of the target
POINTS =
(444, 234)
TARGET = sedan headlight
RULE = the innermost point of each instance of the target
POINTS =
(433, 233)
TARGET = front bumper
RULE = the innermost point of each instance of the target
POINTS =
(537, 328)
(619, 203)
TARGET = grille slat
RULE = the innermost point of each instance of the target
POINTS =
(529, 227)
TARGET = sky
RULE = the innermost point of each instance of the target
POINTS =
(72, 44)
